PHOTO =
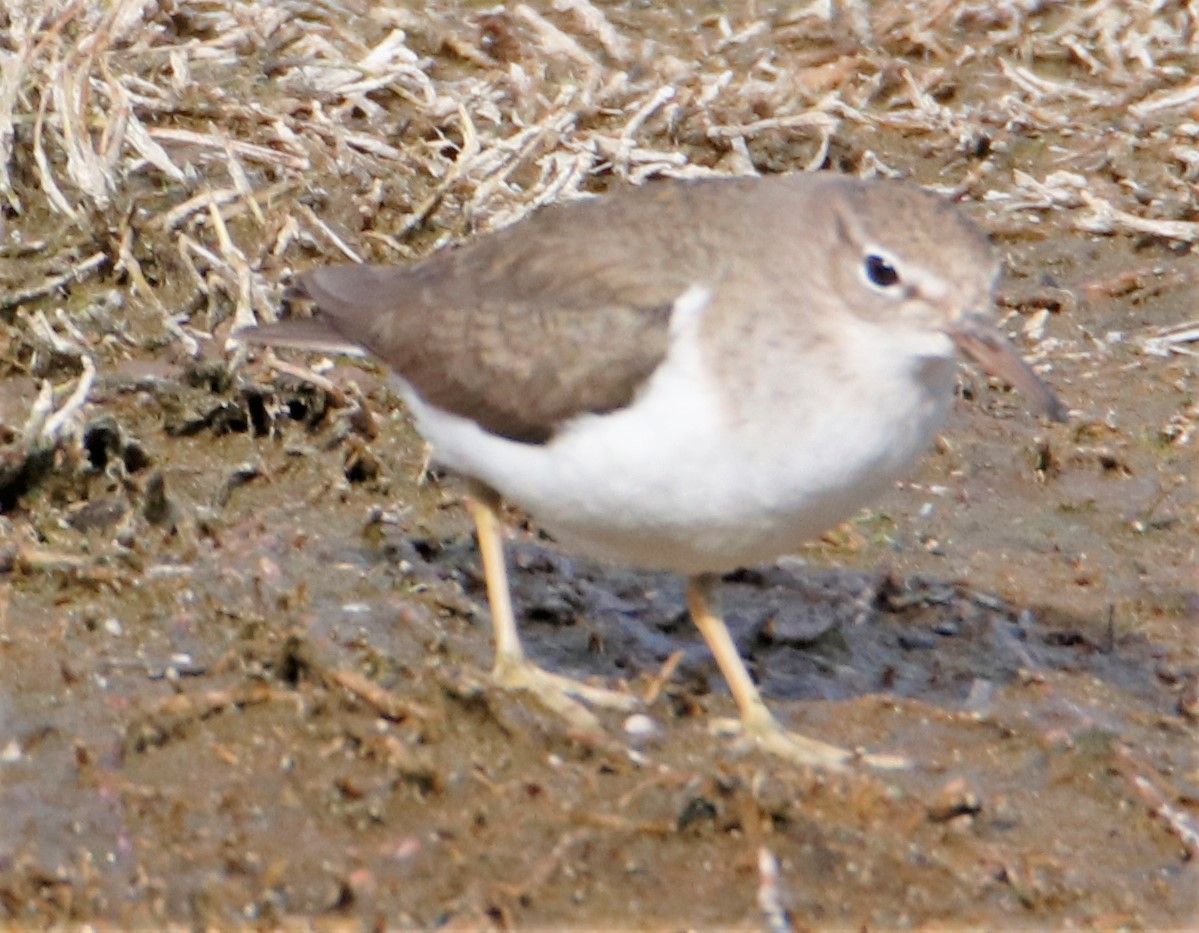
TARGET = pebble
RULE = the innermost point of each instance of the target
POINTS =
(640, 726)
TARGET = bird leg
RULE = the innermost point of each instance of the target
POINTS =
(513, 671)
(757, 721)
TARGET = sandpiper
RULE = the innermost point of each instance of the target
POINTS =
(693, 376)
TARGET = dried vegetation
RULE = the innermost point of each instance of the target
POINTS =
(195, 152)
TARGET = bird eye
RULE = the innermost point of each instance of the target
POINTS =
(880, 272)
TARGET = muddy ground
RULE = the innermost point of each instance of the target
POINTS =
(244, 640)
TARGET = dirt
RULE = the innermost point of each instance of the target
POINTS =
(244, 646)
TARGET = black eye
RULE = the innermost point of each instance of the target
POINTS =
(880, 272)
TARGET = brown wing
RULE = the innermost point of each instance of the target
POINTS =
(525, 328)
(569, 312)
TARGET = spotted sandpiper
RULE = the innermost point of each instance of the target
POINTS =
(693, 376)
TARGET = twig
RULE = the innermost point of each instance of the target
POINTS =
(387, 704)
(56, 423)
(669, 666)
(1176, 821)
(1169, 340)
(769, 897)
(77, 273)
(303, 373)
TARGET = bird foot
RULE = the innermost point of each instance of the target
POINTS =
(766, 733)
(562, 695)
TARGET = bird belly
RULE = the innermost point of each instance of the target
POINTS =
(674, 482)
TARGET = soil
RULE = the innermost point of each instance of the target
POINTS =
(244, 648)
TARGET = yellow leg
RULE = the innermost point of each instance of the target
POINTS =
(512, 670)
(756, 720)
(495, 572)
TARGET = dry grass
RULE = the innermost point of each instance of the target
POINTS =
(189, 155)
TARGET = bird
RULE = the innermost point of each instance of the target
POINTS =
(690, 375)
